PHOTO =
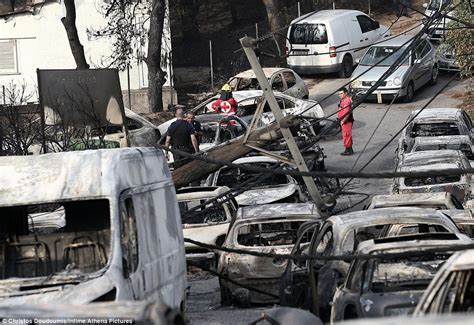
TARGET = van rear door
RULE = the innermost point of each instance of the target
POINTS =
(307, 39)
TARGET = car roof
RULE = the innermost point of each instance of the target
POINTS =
(432, 157)
(267, 71)
(324, 15)
(437, 113)
(411, 242)
(446, 139)
(200, 192)
(388, 216)
(278, 210)
(254, 159)
(461, 260)
(410, 199)
(399, 40)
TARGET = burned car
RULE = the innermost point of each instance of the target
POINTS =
(268, 228)
(443, 201)
(449, 142)
(268, 188)
(248, 100)
(389, 287)
(280, 79)
(452, 289)
(458, 185)
(207, 223)
(434, 122)
(341, 234)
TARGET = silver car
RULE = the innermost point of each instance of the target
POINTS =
(280, 79)
(419, 67)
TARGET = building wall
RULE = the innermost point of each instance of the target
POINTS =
(42, 43)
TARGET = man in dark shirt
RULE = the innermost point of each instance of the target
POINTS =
(195, 124)
(182, 136)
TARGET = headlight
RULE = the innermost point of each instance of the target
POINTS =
(389, 83)
(356, 84)
(397, 81)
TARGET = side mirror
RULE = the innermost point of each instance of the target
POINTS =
(425, 5)
(377, 24)
(358, 60)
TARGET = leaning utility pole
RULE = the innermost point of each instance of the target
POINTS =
(249, 44)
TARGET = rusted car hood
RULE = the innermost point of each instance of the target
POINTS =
(266, 195)
(74, 290)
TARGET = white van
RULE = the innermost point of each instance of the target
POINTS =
(331, 41)
(120, 237)
(439, 27)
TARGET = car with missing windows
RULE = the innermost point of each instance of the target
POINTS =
(451, 142)
(452, 289)
(259, 189)
(458, 185)
(282, 80)
(434, 122)
(340, 235)
(205, 222)
(418, 67)
(270, 228)
(392, 287)
(328, 41)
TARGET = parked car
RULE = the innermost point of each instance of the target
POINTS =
(458, 185)
(451, 290)
(418, 68)
(328, 41)
(439, 27)
(274, 188)
(433, 319)
(443, 201)
(446, 58)
(247, 105)
(267, 228)
(447, 142)
(283, 80)
(116, 202)
(435, 122)
(339, 235)
(216, 129)
(207, 224)
(391, 287)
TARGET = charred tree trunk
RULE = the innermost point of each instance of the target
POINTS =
(272, 8)
(69, 22)
(156, 76)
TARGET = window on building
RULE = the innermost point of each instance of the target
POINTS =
(8, 57)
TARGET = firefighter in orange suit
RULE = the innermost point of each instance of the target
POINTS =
(346, 119)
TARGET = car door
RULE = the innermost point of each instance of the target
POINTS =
(369, 32)
(422, 63)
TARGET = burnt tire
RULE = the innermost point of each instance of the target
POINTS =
(226, 295)
(410, 93)
(346, 67)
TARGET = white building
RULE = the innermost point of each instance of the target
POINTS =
(34, 38)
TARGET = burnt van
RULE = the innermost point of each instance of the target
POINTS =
(90, 226)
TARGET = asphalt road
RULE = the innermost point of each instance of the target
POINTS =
(203, 305)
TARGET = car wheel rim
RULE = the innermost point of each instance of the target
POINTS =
(435, 75)
(410, 91)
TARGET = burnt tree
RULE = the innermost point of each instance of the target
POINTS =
(156, 76)
(69, 22)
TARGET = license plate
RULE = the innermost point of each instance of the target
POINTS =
(439, 31)
(300, 52)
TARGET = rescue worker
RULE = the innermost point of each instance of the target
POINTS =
(226, 104)
(346, 119)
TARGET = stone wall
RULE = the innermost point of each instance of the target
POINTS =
(139, 99)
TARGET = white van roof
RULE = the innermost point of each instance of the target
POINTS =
(79, 174)
(324, 16)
